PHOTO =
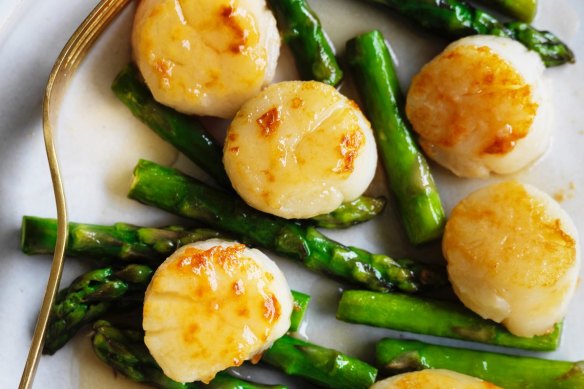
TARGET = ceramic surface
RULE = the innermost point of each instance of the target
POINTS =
(99, 142)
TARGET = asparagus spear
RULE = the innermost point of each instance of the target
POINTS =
(123, 241)
(360, 210)
(301, 301)
(89, 297)
(408, 173)
(226, 381)
(188, 135)
(172, 191)
(523, 10)
(96, 292)
(125, 351)
(457, 18)
(184, 132)
(325, 367)
(313, 51)
(510, 372)
(439, 318)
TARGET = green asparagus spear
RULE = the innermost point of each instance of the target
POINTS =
(408, 173)
(360, 210)
(523, 10)
(125, 351)
(301, 301)
(227, 381)
(89, 297)
(510, 372)
(438, 318)
(313, 51)
(172, 191)
(188, 135)
(123, 241)
(184, 132)
(456, 18)
(325, 367)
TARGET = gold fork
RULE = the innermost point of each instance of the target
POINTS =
(63, 70)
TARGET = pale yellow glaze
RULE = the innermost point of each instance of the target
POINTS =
(433, 379)
(205, 57)
(300, 149)
(512, 256)
(213, 305)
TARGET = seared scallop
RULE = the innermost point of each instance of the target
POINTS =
(513, 256)
(481, 107)
(300, 149)
(433, 379)
(212, 305)
(205, 57)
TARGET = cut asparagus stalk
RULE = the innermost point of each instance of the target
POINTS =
(126, 352)
(325, 367)
(122, 241)
(172, 191)
(89, 297)
(511, 372)
(184, 132)
(407, 171)
(438, 318)
(301, 301)
(457, 18)
(360, 210)
(302, 31)
(523, 10)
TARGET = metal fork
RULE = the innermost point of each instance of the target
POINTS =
(63, 70)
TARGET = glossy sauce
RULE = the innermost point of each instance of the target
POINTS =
(484, 97)
(481, 106)
(300, 149)
(512, 256)
(205, 57)
(217, 305)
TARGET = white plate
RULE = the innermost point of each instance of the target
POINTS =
(99, 142)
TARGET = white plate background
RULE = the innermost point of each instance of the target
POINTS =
(99, 142)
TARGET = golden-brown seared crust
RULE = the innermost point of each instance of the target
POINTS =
(512, 256)
(299, 149)
(476, 102)
(205, 57)
(213, 305)
(433, 379)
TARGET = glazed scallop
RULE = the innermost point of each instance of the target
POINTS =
(481, 107)
(513, 256)
(213, 305)
(205, 57)
(433, 379)
(300, 149)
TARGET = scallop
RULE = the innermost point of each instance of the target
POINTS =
(212, 305)
(300, 149)
(205, 57)
(433, 379)
(513, 256)
(481, 107)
